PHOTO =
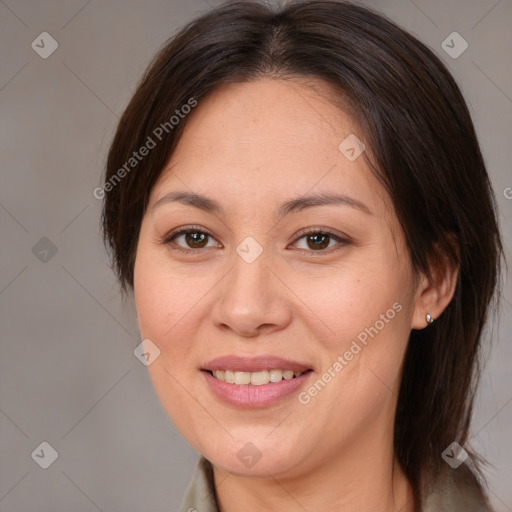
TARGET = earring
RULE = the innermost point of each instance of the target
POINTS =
(429, 318)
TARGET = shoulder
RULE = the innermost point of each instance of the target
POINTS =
(455, 490)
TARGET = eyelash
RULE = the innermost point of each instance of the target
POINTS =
(197, 229)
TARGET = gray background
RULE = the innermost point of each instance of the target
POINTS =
(68, 375)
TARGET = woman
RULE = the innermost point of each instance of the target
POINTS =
(298, 200)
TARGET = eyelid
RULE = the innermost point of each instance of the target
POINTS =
(184, 229)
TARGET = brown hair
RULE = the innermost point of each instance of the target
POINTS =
(425, 153)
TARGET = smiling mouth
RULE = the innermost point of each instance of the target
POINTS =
(259, 378)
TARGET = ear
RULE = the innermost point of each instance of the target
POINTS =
(435, 293)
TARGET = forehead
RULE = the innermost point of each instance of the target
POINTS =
(267, 116)
(258, 140)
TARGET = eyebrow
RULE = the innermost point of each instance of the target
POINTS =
(198, 200)
(309, 201)
(293, 205)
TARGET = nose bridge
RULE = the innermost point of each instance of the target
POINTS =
(249, 260)
(248, 286)
(249, 297)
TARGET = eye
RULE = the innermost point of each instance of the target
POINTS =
(318, 240)
(193, 238)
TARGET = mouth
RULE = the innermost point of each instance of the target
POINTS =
(254, 382)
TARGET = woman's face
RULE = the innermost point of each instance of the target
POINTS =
(249, 293)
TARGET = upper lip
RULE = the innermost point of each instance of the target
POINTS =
(253, 364)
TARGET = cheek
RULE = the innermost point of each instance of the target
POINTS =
(165, 315)
(159, 297)
(366, 308)
(360, 296)
(150, 298)
(169, 306)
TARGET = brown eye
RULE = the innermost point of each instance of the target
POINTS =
(192, 239)
(196, 239)
(318, 240)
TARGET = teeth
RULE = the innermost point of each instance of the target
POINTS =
(288, 375)
(259, 378)
(242, 378)
(255, 378)
(276, 375)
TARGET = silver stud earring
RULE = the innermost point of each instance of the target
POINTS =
(429, 318)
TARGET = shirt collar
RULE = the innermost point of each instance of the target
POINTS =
(200, 495)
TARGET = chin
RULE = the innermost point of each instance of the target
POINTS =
(248, 459)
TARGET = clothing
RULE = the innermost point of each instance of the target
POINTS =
(455, 492)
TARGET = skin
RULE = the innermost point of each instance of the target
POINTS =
(251, 147)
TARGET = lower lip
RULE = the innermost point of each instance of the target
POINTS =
(249, 396)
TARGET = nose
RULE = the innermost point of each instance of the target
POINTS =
(251, 300)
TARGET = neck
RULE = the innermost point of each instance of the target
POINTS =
(360, 477)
